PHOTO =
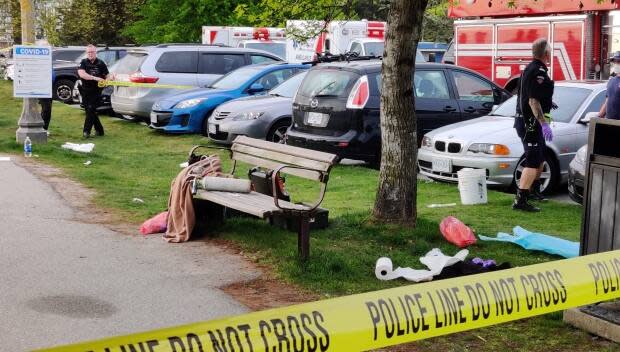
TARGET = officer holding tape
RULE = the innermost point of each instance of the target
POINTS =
(533, 109)
(91, 71)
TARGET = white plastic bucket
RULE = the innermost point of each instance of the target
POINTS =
(472, 186)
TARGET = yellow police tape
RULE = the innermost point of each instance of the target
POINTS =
(103, 84)
(393, 316)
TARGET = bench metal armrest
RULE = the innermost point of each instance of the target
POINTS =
(230, 154)
(323, 180)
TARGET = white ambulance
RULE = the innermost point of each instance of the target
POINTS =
(269, 39)
(338, 37)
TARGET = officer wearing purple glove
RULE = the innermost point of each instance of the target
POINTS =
(533, 108)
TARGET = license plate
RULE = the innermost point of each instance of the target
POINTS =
(153, 117)
(212, 128)
(442, 165)
(317, 119)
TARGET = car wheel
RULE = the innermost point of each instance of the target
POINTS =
(63, 90)
(277, 133)
(548, 178)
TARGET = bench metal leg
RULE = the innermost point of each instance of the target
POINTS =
(303, 236)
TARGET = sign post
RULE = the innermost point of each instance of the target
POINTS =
(31, 81)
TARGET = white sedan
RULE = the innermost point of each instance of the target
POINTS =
(491, 142)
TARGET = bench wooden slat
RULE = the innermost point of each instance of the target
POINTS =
(257, 204)
(287, 149)
(268, 164)
(281, 157)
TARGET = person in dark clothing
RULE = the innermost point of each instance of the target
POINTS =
(91, 71)
(611, 107)
(533, 108)
(46, 108)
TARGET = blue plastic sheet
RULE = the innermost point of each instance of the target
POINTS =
(537, 242)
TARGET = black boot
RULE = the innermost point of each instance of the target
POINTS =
(521, 202)
(535, 192)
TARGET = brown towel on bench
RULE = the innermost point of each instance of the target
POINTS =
(181, 216)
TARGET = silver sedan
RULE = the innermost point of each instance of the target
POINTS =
(491, 142)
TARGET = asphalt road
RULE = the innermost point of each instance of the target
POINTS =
(65, 281)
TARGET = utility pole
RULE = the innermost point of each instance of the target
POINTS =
(30, 123)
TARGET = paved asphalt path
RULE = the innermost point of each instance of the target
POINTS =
(64, 281)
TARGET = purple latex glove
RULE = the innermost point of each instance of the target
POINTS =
(489, 263)
(547, 133)
(477, 261)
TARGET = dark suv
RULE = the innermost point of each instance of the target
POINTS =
(336, 108)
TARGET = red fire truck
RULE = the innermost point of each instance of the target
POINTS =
(495, 38)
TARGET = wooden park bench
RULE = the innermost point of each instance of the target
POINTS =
(274, 158)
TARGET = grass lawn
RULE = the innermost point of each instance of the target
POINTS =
(132, 161)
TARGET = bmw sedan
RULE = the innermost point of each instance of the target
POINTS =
(491, 143)
(188, 112)
(261, 116)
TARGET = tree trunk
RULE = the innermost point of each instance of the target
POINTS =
(396, 195)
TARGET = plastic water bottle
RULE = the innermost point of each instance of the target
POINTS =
(27, 147)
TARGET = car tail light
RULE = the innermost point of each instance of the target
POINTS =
(359, 94)
(138, 77)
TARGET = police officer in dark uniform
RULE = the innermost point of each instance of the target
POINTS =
(91, 71)
(533, 111)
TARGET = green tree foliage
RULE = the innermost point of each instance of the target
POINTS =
(179, 21)
(437, 26)
(96, 21)
(274, 13)
(372, 9)
(16, 20)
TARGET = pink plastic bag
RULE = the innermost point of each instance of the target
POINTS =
(156, 224)
(456, 232)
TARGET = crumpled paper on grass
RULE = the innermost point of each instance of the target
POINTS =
(82, 148)
(435, 260)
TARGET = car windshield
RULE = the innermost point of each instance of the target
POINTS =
(236, 78)
(419, 57)
(289, 87)
(568, 100)
(374, 48)
(270, 47)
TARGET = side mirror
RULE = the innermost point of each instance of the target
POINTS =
(256, 88)
(431, 57)
(494, 108)
(589, 116)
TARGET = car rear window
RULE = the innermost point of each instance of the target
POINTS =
(130, 63)
(327, 82)
(178, 62)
